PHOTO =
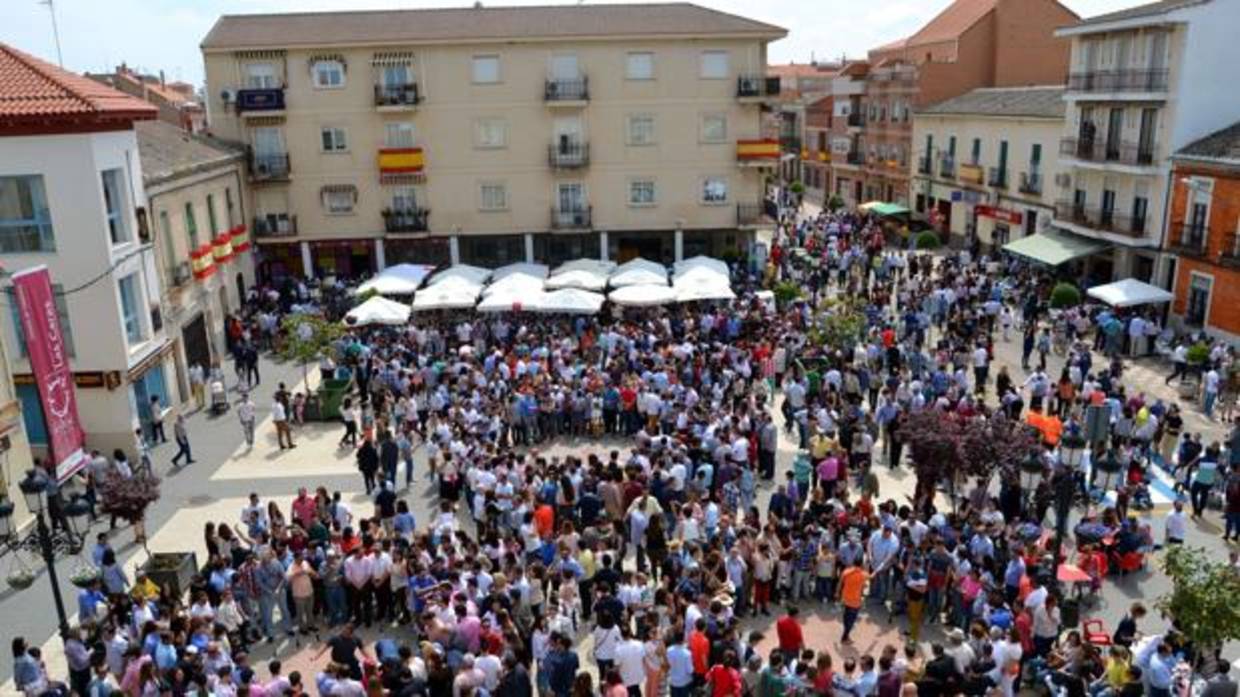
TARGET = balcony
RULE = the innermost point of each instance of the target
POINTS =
(1030, 183)
(397, 97)
(269, 167)
(264, 101)
(568, 155)
(856, 119)
(1101, 81)
(972, 174)
(751, 215)
(750, 87)
(575, 218)
(1231, 251)
(1102, 152)
(947, 167)
(998, 178)
(790, 143)
(567, 91)
(1100, 219)
(855, 157)
(406, 220)
(1190, 239)
(275, 225)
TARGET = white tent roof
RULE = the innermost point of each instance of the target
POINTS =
(539, 270)
(474, 274)
(378, 310)
(596, 265)
(571, 301)
(638, 276)
(700, 262)
(640, 263)
(401, 279)
(452, 294)
(515, 301)
(586, 279)
(702, 275)
(702, 286)
(643, 296)
(517, 282)
(1130, 292)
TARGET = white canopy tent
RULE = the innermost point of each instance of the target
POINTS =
(638, 276)
(539, 270)
(643, 296)
(515, 283)
(699, 262)
(701, 288)
(593, 265)
(378, 310)
(702, 275)
(401, 279)
(1130, 292)
(453, 294)
(585, 279)
(528, 301)
(473, 274)
(571, 301)
(640, 263)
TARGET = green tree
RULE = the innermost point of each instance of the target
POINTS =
(1203, 597)
(308, 338)
(835, 203)
(1065, 295)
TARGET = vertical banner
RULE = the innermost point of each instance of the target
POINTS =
(49, 362)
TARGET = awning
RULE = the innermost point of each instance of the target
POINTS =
(1130, 292)
(1054, 248)
(883, 208)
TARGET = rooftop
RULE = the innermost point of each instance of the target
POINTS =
(386, 27)
(949, 24)
(167, 152)
(1036, 102)
(803, 69)
(1219, 145)
(38, 96)
(1152, 9)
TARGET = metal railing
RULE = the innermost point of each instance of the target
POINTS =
(751, 214)
(397, 95)
(947, 167)
(790, 143)
(1099, 150)
(269, 166)
(406, 220)
(576, 218)
(924, 165)
(1231, 250)
(1118, 81)
(998, 178)
(568, 155)
(751, 85)
(855, 157)
(1101, 219)
(275, 226)
(1190, 239)
(567, 89)
(856, 119)
(1031, 183)
(260, 99)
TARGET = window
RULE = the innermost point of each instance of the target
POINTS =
(714, 65)
(1198, 300)
(339, 200)
(491, 132)
(261, 76)
(714, 128)
(641, 192)
(404, 198)
(396, 77)
(486, 70)
(328, 74)
(398, 135)
(215, 228)
(25, 221)
(641, 129)
(228, 206)
(165, 232)
(130, 316)
(493, 196)
(639, 66)
(333, 139)
(113, 201)
(976, 155)
(1035, 156)
(191, 226)
(62, 314)
(714, 190)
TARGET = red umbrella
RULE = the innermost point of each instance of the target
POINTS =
(1070, 573)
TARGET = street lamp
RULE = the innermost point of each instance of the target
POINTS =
(35, 490)
(1108, 475)
(6, 520)
(1031, 472)
(1072, 450)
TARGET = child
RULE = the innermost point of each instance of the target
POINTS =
(825, 568)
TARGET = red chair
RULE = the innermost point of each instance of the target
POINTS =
(1095, 632)
(1132, 561)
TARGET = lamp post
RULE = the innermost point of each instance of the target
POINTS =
(1064, 489)
(35, 490)
(1031, 471)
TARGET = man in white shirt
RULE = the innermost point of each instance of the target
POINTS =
(279, 417)
(1176, 525)
(630, 658)
(245, 413)
(357, 574)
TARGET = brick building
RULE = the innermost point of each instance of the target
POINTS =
(177, 103)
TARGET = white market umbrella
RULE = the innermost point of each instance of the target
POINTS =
(512, 302)
(585, 279)
(378, 310)
(452, 294)
(702, 275)
(571, 301)
(642, 296)
(529, 269)
(692, 291)
(473, 274)
(638, 276)
(1130, 292)
(700, 262)
(640, 263)
(401, 279)
(596, 265)
(515, 283)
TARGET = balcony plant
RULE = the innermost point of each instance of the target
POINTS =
(1065, 295)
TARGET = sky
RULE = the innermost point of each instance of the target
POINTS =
(97, 35)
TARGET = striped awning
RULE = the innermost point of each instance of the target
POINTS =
(401, 178)
(338, 189)
(392, 58)
(259, 55)
(264, 120)
(315, 58)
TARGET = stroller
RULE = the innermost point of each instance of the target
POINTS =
(219, 396)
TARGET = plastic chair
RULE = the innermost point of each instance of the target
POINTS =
(1095, 632)
(1132, 561)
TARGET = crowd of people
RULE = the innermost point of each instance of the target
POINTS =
(613, 482)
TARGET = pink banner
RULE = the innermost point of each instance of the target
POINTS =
(49, 362)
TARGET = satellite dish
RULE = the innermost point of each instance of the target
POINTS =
(226, 95)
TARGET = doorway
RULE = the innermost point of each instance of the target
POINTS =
(197, 343)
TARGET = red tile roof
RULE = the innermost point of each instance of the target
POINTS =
(949, 24)
(802, 69)
(37, 94)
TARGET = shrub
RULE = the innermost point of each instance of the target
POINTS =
(786, 292)
(928, 240)
(1065, 295)
(797, 187)
(1198, 354)
(835, 203)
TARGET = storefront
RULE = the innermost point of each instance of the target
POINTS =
(146, 381)
(491, 251)
(197, 342)
(432, 251)
(344, 259)
(554, 249)
(278, 260)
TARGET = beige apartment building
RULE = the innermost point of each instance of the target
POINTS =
(985, 162)
(494, 135)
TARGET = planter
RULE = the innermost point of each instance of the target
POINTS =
(84, 576)
(20, 580)
(172, 571)
(330, 395)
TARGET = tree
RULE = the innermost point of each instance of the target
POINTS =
(128, 498)
(934, 438)
(308, 338)
(1202, 600)
(839, 325)
(1065, 295)
(835, 203)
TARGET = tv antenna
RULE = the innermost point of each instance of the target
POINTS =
(51, 8)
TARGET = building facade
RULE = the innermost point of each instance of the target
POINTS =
(984, 162)
(494, 135)
(176, 101)
(195, 195)
(816, 152)
(1144, 83)
(1203, 233)
(72, 200)
(844, 135)
(801, 86)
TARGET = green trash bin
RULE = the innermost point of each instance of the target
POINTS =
(331, 394)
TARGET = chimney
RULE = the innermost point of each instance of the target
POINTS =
(161, 79)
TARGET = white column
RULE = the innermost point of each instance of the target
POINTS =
(307, 262)
(454, 250)
(680, 245)
(529, 247)
(603, 252)
(380, 255)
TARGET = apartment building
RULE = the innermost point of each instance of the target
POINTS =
(489, 135)
(800, 86)
(71, 199)
(847, 171)
(177, 102)
(984, 162)
(1144, 83)
(1204, 233)
(195, 191)
(816, 152)
(970, 44)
